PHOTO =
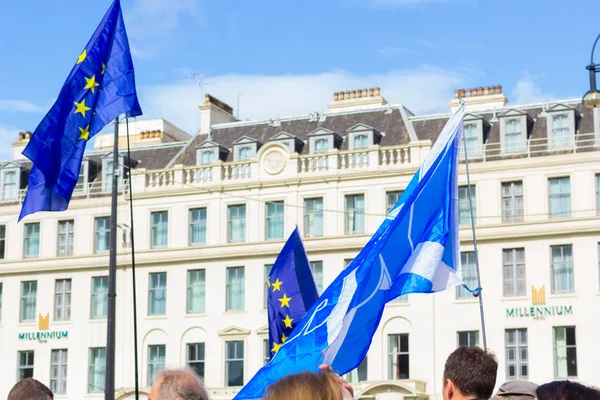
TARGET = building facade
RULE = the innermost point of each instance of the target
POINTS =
(212, 211)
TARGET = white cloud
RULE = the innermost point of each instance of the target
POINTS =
(18, 106)
(391, 52)
(527, 91)
(401, 3)
(154, 18)
(7, 136)
(421, 90)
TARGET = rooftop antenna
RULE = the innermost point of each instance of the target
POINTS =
(199, 79)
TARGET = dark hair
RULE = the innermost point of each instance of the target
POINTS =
(472, 370)
(30, 389)
(566, 390)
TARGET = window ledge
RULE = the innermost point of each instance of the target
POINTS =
(195, 315)
(562, 295)
(98, 320)
(234, 312)
(156, 317)
(515, 298)
(27, 323)
(69, 322)
(466, 301)
(397, 304)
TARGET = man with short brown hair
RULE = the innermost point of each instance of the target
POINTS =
(178, 384)
(469, 374)
(30, 389)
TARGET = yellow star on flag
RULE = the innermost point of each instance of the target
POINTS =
(268, 283)
(277, 285)
(285, 301)
(103, 68)
(85, 133)
(81, 108)
(287, 321)
(91, 83)
(276, 347)
(283, 338)
(82, 56)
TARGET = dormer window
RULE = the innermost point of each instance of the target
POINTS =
(208, 152)
(362, 136)
(322, 140)
(10, 187)
(562, 126)
(321, 146)
(244, 153)
(82, 180)
(471, 137)
(293, 144)
(245, 148)
(108, 175)
(515, 126)
(360, 141)
(207, 157)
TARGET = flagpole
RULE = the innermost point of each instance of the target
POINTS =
(477, 292)
(109, 384)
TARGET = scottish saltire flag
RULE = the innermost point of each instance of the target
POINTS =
(100, 87)
(292, 291)
(415, 250)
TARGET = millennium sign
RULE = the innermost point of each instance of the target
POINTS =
(43, 334)
(538, 309)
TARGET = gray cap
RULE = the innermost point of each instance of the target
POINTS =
(516, 390)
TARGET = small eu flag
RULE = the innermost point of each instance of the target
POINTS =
(100, 87)
(292, 291)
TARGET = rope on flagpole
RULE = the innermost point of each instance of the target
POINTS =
(476, 292)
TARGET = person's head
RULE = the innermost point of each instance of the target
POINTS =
(470, 372)
(180, 384)
(516, 390)
(307, 386)
(30, 389)
(566, 390)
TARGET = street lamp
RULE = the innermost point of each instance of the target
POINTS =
(592, 98)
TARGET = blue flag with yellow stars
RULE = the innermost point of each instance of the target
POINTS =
(100, 87)
(292, 291)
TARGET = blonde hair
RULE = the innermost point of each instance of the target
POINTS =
(305, 386)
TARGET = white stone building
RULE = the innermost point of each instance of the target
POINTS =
(212, 212)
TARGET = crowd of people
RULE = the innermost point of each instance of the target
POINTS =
(469, 374)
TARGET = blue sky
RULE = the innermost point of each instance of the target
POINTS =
(288, 59)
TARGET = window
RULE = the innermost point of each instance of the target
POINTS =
(235, 288)
(347, 262)
(512, 201)
(517, 355)
(28, 300)
(160, 229)
(97, 369)
(398, 356)
(321, 146)
(317, 270)
(360, 142)
(562, 268)
(513, 272)
(65, 238)
(471, 137)
(468, 338)
(207, 157)
(25, 369)
(597, 194)
(513, 137)
(266, 352)
(1, 287)
(108, 175)
(62, 300)
(267, 273)
(355, 214)
(560, 197)
(195, 357)
(359, 374)
(102, 232)
(464, 215)
(274, 228)
(198, 226)
(156, 361)
(313, 217)
(157, 294)
(244, 153)
(58, 371)
(9, 185)
(234, 364)
(559, 138)
(32, 240)
(99, 297)
(196, 291)
(237, 223)
(392, 199)
(2, 242)
(565, 352)
(81, 185)
(469, 271)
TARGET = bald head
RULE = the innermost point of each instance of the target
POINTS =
(181, 384)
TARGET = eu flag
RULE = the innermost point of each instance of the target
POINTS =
(100, 87)
(292, 291)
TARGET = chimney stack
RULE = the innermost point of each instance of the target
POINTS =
(214, 111)
(479, 99)
(348, 100)
(19, 145)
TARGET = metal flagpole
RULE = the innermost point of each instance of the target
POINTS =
(476, 293)
(131, 237)
(109, 383)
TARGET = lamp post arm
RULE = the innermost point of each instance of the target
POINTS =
(594, 48)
